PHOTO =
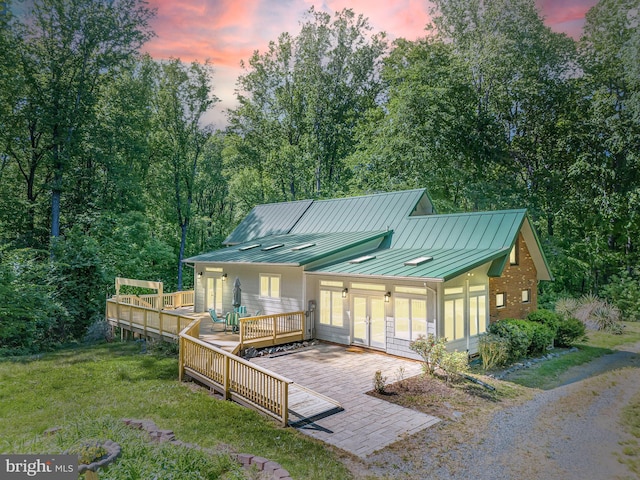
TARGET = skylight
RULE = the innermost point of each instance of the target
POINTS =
(302, 247)
(249, 247)
(362, 259)
(273, 247)
(418, 261)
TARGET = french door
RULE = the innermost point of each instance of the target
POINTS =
(368, 320)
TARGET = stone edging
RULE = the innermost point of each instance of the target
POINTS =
(247, 461)
(113, 452)
(529, 363)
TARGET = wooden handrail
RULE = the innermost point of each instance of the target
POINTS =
(234, 377)
(271, 327)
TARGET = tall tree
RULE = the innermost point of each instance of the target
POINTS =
(300, 102)
(69, 49)
(181, 98)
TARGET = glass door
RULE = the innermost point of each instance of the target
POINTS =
(214, 294)
(368, 315)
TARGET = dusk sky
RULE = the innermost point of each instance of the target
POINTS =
(228, 31)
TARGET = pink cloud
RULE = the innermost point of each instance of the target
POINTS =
(228, 31)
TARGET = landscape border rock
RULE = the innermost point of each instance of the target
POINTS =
(528, 363)
(246, 460)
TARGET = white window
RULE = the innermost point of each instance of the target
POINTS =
(269, 286)
(331, 311)
(513, 255)
(410, 317)
(526, 296)
(501, 300)
(477, 314)
(454, 318)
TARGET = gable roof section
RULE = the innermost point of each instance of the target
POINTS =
(268, 219)
(283, 249)
(383, 211)
(457, 243)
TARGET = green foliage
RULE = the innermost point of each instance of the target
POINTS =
(379, 382)
(623, 291)
(431, 349)
(541, 338)
(493, 350)
(30, 314)
(514, 331)
(545, 317)
(595, 313)
(570, 331)
(455, 365)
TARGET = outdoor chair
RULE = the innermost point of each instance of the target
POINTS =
(217, 320)
(232, 321)
(258, 312)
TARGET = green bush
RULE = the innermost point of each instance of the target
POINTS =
(623, 291)
(541, 339)
(519, 338)
(546, 317)
(569, 331)
(455, 364)
(493, 350)
(431, 349)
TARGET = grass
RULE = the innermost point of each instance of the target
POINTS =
(117, 381)
(631, 423)
(547, 375)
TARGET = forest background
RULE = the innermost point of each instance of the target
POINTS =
(107, 167)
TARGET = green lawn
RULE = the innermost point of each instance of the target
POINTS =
(114, 381)
(547, 375)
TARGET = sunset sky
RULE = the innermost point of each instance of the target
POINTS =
(228, 31)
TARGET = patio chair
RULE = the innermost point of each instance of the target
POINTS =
(258, 313)
(217, 320)
(232, 321)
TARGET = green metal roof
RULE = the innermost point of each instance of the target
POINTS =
(460, 231)
(455, 243)
(268, 219)
(444, 265)
(382, 211)
(291, 249)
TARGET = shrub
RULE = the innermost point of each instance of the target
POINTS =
(431, 349)
(541, 339)
(593, 312)
(545, 317)
(623, 291)
(493, 350)
(570, 330)
(519, 338)
(455, 364)
(379, 382)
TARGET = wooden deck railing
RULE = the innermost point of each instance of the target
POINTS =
(268, 330)
(234, 377)
(169, 300)
(135, 315)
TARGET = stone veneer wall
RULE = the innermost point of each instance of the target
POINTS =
(515, 279)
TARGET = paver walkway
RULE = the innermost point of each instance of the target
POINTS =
(367, 424)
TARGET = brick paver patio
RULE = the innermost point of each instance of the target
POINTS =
(367, 424)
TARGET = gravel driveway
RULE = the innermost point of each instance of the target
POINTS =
(570, 432)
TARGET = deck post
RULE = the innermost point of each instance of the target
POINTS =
(284, 401)
(275, 331)
(226, 378)
(181, 358)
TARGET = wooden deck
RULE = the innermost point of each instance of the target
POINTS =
(208, 353)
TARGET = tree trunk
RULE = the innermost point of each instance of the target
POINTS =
(183, 241)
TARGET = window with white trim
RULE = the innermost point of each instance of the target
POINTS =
(410, 317)
(331, 307)
(269, 286)
(501, 300)
(526, 296)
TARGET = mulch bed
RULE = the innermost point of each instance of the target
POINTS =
(434, 396)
